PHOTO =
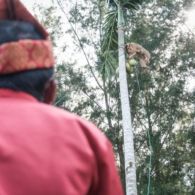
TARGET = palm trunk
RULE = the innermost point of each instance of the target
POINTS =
(130, 170)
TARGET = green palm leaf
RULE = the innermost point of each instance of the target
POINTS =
(109, 43)
(131, 4)
(128, 4)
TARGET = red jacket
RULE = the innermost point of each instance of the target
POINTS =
(47, 151)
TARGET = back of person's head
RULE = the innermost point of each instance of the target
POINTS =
(26, 57)
(32, 81)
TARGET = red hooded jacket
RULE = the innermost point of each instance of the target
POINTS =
(47, 151)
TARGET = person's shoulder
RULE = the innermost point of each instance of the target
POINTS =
(90, 130)
(56, 112)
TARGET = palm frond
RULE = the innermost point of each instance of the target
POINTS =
(110, 32)
(109, 43)
(131, 4)
(128, 4)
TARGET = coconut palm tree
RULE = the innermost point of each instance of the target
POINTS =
(113, 28)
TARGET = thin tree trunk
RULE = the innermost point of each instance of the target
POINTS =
(130, 170)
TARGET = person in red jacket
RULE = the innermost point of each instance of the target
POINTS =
(43, 150)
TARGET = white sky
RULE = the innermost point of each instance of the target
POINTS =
(190, 23)
(29, 3)
(191, 18)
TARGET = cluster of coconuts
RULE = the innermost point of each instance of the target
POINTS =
(130, 64)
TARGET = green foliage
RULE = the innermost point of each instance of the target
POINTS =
(165, 103)
(131, 4)
(51, 21)
(128, 4)
(108, 61)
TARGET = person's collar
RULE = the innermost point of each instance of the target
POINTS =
(8, 93)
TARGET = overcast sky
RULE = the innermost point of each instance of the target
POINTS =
(29, 3)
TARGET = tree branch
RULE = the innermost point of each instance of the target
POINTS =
(80, 44)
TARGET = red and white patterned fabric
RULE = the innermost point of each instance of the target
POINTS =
(25, 55)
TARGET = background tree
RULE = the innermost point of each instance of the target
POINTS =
(162, 106)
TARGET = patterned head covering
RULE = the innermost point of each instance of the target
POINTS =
(24, 43)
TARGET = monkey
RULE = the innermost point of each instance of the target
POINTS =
(136, 51)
